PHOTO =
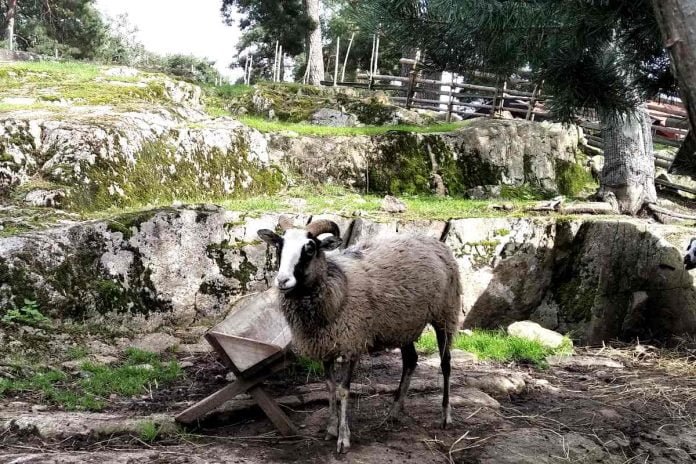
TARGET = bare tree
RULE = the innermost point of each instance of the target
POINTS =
(315, 57)
(10, 20)
(676, 20)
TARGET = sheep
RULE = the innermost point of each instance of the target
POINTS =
(690, 256)
(377, 294)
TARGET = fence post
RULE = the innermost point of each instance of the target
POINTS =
(531, 103)
(450, 104)
(502, 99)
(338, 53)
(345, 60)
(275, 61)
(495, 98)
(372, 60)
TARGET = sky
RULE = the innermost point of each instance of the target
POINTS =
(177, 26)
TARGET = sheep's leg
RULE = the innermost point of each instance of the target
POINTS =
(444, 339)
(332, 426)
(409, 359)
(345, 370)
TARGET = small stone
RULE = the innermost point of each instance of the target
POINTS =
(72, 366)
(18, 404)
(230, 377)
(333, 118)
(39, 408)
(296, 203)
(533, 331)
(106, 360)
(392, 204)
(157, 343)
(186, 364)
(49, 198)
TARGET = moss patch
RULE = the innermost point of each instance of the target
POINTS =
(571, 178)
(158, 177)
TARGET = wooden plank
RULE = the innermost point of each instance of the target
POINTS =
(217, 399)
(666, 141)
(675, 186)
(670, 130)
(273, 412)
(671, 109)
(245, 353)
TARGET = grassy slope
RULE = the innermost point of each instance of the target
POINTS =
(79, 83)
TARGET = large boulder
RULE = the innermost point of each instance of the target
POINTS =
(164, 266)
(121, 158)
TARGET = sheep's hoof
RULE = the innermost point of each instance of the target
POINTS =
(447, 418)
(395, 414)
(342, 445)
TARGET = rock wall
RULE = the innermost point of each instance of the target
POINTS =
(594, 279)
(484, 152)
(99, 157)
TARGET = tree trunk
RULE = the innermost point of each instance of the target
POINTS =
(10, 17)
(685, 161)
(629, 165)
(676, 21)
(315, 57)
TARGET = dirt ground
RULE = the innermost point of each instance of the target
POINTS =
(600, 406)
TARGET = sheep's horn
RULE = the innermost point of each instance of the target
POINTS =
(323, 226)
(285, 222)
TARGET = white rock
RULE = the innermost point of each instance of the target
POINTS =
(392, 204)
(533, 331)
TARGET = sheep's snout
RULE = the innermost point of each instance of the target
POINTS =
(285, 283)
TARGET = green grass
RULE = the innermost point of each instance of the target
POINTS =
(310, 367)
(496, 346)
(149, 431)
(334, 199)
(77, 352)
(80, 83)
(264, 125)
(90, 390)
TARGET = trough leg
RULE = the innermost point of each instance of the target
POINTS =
(345, 370)
(409, 358)
(273, 411)
(332, 425)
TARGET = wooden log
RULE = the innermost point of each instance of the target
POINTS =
(670, 130)
(673, 186)
(672, 109)
(666, 141)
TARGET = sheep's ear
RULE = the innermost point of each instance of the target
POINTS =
(270, 237)
(330, 243)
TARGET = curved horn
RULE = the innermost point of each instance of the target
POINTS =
(323, 226)
(285, 222)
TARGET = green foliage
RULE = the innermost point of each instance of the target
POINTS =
(77, 82)
(149, 431)
(497, 346)
(311, 367)
(589, 54)
(77, 352)
(28, 314)
(265, 125)
(96, 382)
(263, 22)
(572, 178)
(72, 28)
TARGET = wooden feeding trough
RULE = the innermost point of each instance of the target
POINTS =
(253, 342)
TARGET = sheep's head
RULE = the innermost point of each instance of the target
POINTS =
(300, 249)
(690, 256)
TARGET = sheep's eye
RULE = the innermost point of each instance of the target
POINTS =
(310, 249)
